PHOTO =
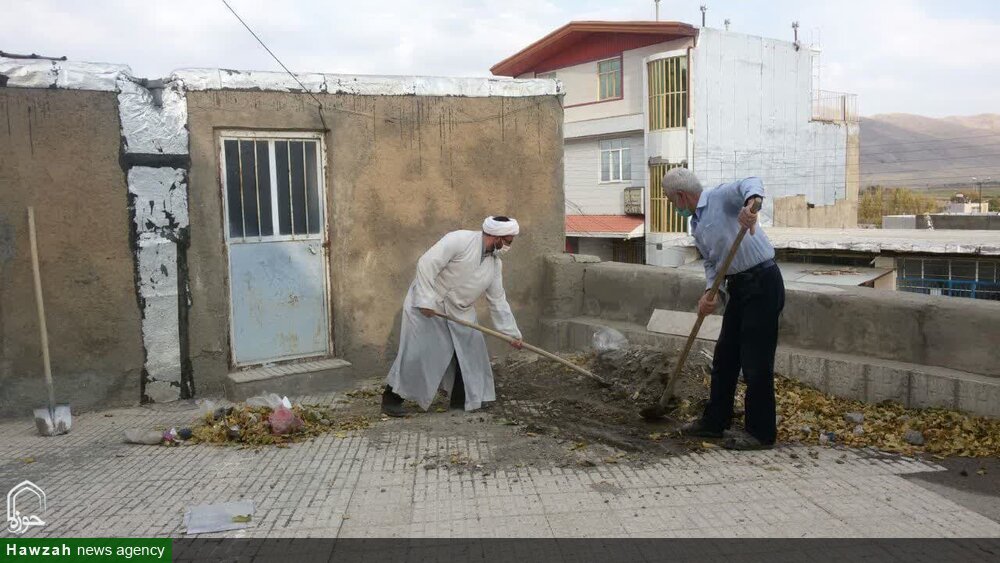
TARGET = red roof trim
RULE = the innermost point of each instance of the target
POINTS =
(602, 223)
(562, 38)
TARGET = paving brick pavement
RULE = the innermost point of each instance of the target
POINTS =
(368, 485)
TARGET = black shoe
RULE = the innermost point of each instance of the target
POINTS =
(392, 404)
(697, 428)
(743, 440)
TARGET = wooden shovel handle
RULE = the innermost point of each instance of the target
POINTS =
(526, 346)
(40, 306)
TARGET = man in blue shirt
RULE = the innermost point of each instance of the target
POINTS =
(754, 295)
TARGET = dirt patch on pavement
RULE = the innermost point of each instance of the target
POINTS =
(547, 398)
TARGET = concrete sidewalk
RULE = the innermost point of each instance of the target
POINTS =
(379, 483)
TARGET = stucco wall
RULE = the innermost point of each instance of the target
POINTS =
(401, 172)
(59, 151)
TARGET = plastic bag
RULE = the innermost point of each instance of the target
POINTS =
(271, 401)
(284, 421)
(607, 339)
(205, 407)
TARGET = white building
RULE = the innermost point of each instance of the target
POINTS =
(644, 97)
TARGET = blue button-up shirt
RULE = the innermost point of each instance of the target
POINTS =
(715, 226)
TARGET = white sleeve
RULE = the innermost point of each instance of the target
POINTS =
(500, 313)
(430, 265)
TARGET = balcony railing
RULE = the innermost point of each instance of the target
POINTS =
(834, 106)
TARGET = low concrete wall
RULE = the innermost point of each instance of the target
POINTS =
(959, 334)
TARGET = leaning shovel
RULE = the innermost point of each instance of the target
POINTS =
(53, 419)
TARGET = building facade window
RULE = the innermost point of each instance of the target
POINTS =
(609, 75)
(616, 163)
(663, 217)
(668, 95)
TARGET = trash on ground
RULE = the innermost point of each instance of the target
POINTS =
(146, 437)
(284, 421)
(261, 425)
(607, 339)
(223, 517)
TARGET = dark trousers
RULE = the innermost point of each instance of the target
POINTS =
(458, 388)
(747, 342)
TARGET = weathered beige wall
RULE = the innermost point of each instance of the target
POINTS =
(396, 182)
(792, 211)
(59, 152)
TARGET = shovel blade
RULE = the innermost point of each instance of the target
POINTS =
(53, 422)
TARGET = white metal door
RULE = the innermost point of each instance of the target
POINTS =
(275, 233)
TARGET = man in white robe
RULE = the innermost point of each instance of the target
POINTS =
(438, 354)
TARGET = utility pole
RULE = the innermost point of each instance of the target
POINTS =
(980, 182)
(726, 22)
(703, 10)
(657, 2)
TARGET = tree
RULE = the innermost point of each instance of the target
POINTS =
(995, 204)
(877, 202)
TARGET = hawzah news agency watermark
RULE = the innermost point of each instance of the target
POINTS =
(26, 502)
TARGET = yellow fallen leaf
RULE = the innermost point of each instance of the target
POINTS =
(341, 434)
(982, 471)
(655, 436)
(708, 445)
(28, 460)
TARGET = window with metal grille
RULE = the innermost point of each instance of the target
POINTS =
(668, 96)
(272, 188)
(609, 74)
(616, 163)
(663, 217)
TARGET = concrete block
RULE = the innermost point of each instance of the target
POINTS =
(782, 361)
(930, 389)
(808, 369)
(340, 376)
(846, 378)
(886, 383)
(680, 323)
(980, 397)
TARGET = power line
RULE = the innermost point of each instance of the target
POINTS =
(321, 107)
(275, 57)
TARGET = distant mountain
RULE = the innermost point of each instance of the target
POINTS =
(900, 149)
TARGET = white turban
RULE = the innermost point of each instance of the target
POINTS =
(501, 228)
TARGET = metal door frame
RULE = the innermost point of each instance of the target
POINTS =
(241, 135)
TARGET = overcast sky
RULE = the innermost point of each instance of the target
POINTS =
(914, 56)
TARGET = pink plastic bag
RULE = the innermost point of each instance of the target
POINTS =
(284, 421)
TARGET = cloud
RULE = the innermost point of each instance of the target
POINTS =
(898, 55)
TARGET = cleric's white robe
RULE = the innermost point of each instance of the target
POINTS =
(451, 276)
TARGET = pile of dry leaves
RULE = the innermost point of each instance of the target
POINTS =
(249, 425)
(807, 414)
